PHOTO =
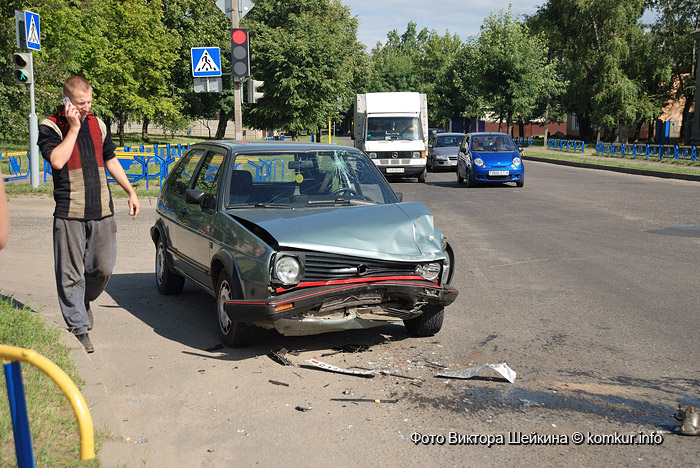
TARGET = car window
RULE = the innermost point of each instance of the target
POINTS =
(183, 172)
(308, 178)
(207, 180)
(493, 142)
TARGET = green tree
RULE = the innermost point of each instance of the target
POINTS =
(305, 52)
(511, 68)
(675, 21)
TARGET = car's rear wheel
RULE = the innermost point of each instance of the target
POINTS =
(168, 281)
(232, 334)
(428, 323)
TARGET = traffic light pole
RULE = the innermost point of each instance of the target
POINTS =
(237, 111)
(33, 132)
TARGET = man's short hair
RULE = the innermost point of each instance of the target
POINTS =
(75, 83)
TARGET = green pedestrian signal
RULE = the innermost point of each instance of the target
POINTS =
(23, 67)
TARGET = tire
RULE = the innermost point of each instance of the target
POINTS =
(422, 175)
(470, 179)
(460, 179)
(169, 282)
(430, 167)
(428, 323)
(232, 334)
(520, 183)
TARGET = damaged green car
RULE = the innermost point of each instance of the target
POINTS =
(302, 238)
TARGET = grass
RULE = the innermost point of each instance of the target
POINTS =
(55, 435)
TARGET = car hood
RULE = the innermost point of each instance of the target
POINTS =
(402, 231)
(446, 150)
(492, 158)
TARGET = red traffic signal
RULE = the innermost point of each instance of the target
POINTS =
(240, 53)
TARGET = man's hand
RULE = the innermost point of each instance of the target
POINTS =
(134, 206)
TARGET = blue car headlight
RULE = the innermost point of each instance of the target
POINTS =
(429, 271)
(287, 269)
(517, 161)
(478, 162)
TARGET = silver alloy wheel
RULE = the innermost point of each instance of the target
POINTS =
(160, 263)
(223, 297)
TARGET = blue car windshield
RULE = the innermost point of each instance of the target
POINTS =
(492, 143)
(287, 179)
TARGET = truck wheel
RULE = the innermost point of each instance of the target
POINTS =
(421, 176)
(168, 281)
(428, 323)
(232, 334)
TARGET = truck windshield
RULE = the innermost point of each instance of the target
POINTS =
(394, 128)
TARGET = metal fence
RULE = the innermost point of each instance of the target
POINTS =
(648, 151)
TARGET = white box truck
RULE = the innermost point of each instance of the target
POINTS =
(393, 129)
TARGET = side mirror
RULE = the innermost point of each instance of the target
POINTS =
(194, 196)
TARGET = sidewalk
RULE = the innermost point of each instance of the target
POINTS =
(637, 166)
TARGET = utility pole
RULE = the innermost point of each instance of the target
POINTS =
(237, 82)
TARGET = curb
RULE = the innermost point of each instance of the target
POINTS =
(624, 170)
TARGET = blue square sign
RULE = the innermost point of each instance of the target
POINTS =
(206, 61)
(32, 33)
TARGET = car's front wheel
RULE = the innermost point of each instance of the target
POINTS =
(232, 334)
(168, 281)
(421, 176)
(428, 323)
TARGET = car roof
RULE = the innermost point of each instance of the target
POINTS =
(445, 134)
(239, 145)
(489, 134)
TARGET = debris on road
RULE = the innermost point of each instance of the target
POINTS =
(332, 368)
(370, 400)
(277, 382)
(349, 348)
(304, 407)
(503, 369)
(690, 421)
(280, 356)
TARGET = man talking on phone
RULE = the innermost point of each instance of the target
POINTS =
(80, 150)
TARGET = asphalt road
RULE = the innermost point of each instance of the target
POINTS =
(584, 282)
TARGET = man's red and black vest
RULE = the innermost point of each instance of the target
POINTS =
(80, 190)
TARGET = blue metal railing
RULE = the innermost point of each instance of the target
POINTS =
(648, 151)
(566, 145)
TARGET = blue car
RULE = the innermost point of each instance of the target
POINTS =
(489, 157)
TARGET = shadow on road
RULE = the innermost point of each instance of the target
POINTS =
(189, 318)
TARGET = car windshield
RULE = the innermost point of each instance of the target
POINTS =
(447, 141)
(394, 128)
(492, 143)
(286, 179)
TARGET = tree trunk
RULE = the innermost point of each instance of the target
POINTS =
(144, 129)
(122, 121)
(685, 125)
(546, 123)
(221, 128)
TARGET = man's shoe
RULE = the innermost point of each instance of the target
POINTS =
(85, 341)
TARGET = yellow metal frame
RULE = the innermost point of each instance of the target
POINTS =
(82, 413)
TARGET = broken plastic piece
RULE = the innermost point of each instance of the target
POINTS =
(277, 382)
(364, 400)
(332, 368)
(279, 356)
(690, 421)
(503, 369)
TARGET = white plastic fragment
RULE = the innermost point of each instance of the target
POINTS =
(503, 369)
(332, 368)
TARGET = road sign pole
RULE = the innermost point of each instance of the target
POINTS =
(237, 111)
(33, 132)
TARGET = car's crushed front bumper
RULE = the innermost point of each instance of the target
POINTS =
(412, 294)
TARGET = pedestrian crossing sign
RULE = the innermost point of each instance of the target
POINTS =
(31, 30)
(206, 61)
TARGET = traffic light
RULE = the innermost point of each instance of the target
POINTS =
(253, 93)
(23, 67)
(240, 53)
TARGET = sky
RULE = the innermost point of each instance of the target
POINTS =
(461, 17)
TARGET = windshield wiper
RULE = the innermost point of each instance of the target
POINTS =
(341, 201)
(259, 205)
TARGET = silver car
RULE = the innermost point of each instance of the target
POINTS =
(302, 238)
(443, 149)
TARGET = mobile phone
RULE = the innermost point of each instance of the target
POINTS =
(66, 101)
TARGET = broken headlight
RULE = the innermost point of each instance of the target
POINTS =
(429, 271)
